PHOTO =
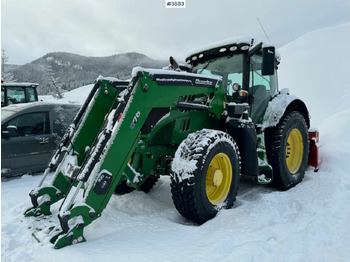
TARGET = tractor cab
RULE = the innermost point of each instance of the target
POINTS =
(15, 93)
(247, 69)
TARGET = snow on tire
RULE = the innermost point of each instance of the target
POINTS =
(205, 174)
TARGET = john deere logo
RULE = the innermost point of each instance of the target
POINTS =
(203, 82)
(134, 120)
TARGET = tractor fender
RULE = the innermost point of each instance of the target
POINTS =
(280, 104)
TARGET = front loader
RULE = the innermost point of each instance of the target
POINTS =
(205, 125)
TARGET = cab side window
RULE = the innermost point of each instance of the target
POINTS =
(31, 124)
(2, 96)
(30, 94)
(261, 87)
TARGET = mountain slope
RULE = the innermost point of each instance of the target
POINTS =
(75, 70)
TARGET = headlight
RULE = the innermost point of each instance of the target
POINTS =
(236, 87)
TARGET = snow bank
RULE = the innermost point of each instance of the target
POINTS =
(76, 96)
(315, 68)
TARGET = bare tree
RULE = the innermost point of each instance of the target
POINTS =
(6, 74)
(55, 86)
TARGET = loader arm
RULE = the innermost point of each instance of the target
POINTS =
(80, 135)
(101, 169)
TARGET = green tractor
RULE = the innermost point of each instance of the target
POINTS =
(205, 124)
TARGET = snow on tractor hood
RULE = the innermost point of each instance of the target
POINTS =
(152, 71)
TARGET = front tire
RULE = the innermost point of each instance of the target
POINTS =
(287, 148)
(205, 178)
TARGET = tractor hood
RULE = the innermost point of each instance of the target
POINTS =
(179, 78)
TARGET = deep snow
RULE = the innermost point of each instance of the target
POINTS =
(309, 222)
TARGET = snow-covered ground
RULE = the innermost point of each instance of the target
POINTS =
(76, 96)
(309, 222)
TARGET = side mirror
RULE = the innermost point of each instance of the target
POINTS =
(268, 63)
(173, 63)
(10, 132)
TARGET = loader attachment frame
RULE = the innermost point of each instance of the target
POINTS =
(96, 154)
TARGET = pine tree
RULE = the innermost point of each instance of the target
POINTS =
(55, 86)
(6, 74)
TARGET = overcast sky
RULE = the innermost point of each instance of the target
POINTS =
(32, 28)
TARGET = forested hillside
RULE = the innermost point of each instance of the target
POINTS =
(73, 70)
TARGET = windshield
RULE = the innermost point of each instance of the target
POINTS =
(229, 68)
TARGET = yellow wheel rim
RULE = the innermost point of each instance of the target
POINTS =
(218, 179)
(294, 151)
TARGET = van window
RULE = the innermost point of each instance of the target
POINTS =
(31, 124)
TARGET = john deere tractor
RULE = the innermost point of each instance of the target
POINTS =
(205, 124)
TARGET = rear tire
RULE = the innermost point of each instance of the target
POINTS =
(205, 177)
(123, 188)
(149, 183)
(287, 148)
